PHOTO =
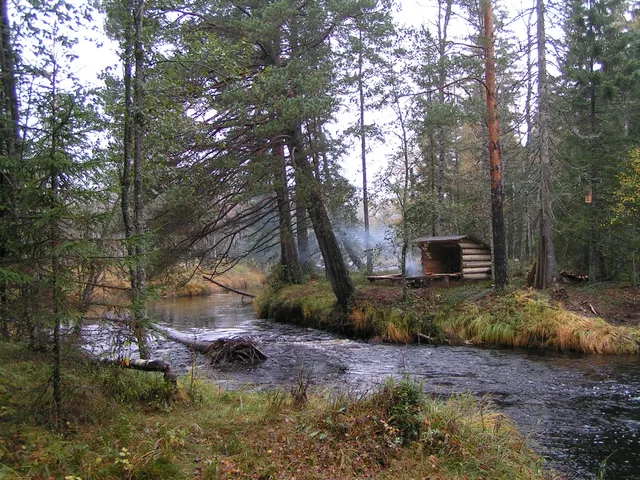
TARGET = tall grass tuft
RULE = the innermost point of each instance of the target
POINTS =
(526, 319)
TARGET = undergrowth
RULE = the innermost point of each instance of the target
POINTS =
(123, 425)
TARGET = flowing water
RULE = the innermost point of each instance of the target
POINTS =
(579, 411)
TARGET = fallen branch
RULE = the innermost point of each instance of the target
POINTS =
(221, 285)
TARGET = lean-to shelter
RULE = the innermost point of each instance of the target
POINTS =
(455, 255)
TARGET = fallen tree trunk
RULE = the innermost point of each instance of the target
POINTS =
(144, 365)
(221, 285)
(223, 350)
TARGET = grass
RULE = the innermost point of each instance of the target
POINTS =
(469, 312)
(311, 304)
(181, 282)
(122, 424)
(525, 318)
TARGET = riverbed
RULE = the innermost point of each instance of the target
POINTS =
(580, 411)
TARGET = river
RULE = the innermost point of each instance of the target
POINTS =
(579, 411)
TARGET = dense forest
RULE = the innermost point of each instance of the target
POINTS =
(220, 136)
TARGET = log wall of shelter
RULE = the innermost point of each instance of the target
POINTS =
(476, 260)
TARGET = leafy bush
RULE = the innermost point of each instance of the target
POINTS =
(402, 402)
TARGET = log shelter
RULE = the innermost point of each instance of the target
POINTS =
(455, 256)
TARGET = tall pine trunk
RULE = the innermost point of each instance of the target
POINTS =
(125, 179)
(363, 153)
(54, 240)
(547, 266)
(10, 139)
(335, 267)
(443, 26)
(594, 257)
(289, 256)
(500, 269)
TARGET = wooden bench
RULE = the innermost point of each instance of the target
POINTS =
(396, 277)
(418, 280)
(426, 279)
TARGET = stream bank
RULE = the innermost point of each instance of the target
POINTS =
(120, 424)
(578, 410)
(467, 313)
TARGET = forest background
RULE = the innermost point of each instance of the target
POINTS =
(216, 140)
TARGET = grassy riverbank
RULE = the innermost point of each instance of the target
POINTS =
(183, 282)
(465, 313)
(120, 424)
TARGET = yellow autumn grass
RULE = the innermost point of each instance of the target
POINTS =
(183, 282)
(396, 334)
(359, 319)
(527, 319)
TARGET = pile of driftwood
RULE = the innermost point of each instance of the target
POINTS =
(223, 350)
(234, 350)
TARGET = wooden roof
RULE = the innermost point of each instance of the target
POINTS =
(449, 238)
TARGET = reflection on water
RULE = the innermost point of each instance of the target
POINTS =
(579, 410)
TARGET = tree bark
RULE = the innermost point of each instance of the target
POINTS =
(9, 121)
(363, 153)
(54, 232)
(594, 260)
(9, 133)
(335, 267)
(500, 269)
(288, 254)
(443, 26)
(125, 180)
(547, 248)
(351, 250)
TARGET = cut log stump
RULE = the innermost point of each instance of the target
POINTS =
(144, 365)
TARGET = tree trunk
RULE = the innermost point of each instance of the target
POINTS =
(302, 230)
(335, 266)
(363, 153)
(54, 231)
(435, 217)
(289, 256)
(594, 261)
(443, 26)
(140, 291)
(234, 350)
(351, 250)
(500, 269)
(125, 180)
(525, 245)
(9, 121)
(10, 138)
(547, 248)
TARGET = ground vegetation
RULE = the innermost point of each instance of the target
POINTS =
(127, 424)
